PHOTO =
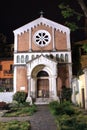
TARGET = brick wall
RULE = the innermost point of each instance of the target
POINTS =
(23, 41)
(21, 79)
(59, 40)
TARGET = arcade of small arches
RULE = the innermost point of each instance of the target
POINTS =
(58, 57)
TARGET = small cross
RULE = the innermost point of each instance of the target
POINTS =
(41, 13)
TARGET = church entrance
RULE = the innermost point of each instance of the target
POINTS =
(42, 85)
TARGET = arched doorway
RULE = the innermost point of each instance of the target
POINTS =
(42, 84)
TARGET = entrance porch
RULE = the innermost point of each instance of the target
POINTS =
(41, 75)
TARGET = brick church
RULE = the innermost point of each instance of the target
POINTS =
(42, 59)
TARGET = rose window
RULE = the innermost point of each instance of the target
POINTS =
(42, 38)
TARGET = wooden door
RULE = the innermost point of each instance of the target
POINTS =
(43, 88)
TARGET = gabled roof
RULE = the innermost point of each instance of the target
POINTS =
(43, 21)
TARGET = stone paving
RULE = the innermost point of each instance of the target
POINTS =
(41, 120)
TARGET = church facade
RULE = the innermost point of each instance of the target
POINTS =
(42, 59)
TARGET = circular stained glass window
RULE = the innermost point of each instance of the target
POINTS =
(42, 38)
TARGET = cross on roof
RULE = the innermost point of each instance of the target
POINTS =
(41, 13)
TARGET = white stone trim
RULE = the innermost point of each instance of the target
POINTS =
(41, 60)
(39, 53)
(68, 41)
(30, 40)
(14, 79)
(54, 89)
(15, 43)
(48, 66)
(70, 74)
(53, 39)
(45, 21)
(85, 72)
(40, 38)
(6, 96)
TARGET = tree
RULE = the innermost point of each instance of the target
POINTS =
(70, 12)
(2, 38)
(73, 13)
(84, 8)
(66, 93)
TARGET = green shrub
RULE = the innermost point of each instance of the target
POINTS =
(68, 117)
(15, 125)
(33, 109)
(53, 104)
(61, 108)
(21, 111)
(66, 103)
(66, 93)
(68, 121)
(20, 97)
(67, 128)
(69, 110)
(2, 89)
(65, 122)
(81, 126)
(56, 108)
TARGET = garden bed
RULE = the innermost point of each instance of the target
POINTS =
(21, 111)
(15, 125)
(68, 116)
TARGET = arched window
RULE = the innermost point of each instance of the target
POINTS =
(22, 59)
(51, 56)
(62, 58)
(26, 58)
(47, 55)
(37, 55)
(18, 59)
(66, 57)
(32, 56)
(57, 57)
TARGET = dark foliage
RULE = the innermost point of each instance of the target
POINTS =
(66, 94)
(20, 97)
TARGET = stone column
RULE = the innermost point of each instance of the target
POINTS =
(53, 87)
(29, 89)
(33, 88)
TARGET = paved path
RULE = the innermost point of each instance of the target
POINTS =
(41, 120)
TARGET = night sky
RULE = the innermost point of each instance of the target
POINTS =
(16, 13)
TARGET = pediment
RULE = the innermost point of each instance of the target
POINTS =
(43, 21)
(42, 60)
(41, 63)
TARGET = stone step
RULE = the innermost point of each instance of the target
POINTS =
(42, 100)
